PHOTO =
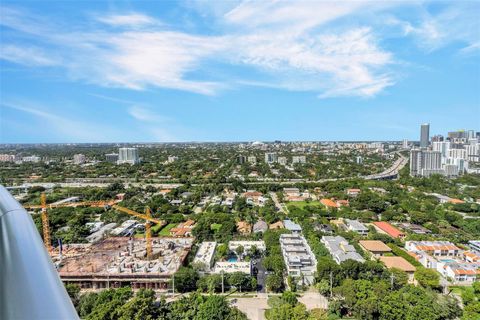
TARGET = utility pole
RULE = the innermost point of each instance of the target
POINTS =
(391, 280)
(223, 287)
(173, 286)
(331, 284)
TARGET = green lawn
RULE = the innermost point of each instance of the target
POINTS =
(166, 230)
(302, 204)
(216, 226)
(458, 289)
(156, 228)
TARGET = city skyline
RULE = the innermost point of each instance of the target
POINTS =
(197, 71)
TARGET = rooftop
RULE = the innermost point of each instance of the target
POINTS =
(399, 263)
(120, 256)
(389, 229)
(374, 246)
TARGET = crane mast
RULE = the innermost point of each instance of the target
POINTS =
(147, 217)
(45, 223)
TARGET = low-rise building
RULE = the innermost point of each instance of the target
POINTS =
(329, 204)
(433, 248)
(247, 245)
(244, 227)
(233, 266)
(356, 226)
(292, 226)
(387, 228)
(353, 192)
(276, 225)
(340, 249)
(474, 245)
(205, 254)
(401, 264)
(125, 228)
(375, 248)
(260, 226)
(460, 273)
(184, 229)
(299, 258)
(413, 228)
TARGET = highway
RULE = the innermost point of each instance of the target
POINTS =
(389, 173)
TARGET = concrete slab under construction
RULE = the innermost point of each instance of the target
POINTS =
(120, 261)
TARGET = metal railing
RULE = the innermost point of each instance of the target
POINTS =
(30, 287)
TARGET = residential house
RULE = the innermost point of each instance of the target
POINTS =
(375, 248)
(356, 226)
(340, 249)
(184, 229)
(276, 225)
(260, 226)
(244, 227)
(292, 226)
(353, 192)
(387, 228)
(329, 204)
(401, 264)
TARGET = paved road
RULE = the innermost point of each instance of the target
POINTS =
(261, 276)
(254, 308)
(313, 300)
(280, 206)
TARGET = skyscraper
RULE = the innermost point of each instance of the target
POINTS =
(415, 162)
(271, 157)
(424, 135)
(128, 155)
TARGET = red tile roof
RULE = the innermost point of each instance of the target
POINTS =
(328, 203)
(389, 229)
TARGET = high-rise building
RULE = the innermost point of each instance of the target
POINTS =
(79, 158)
(470, 134)
(7, 157)
(282, 161)
(299, 159)
(252, 159)
(432, 160)
(241, 159)
(437, 138)
(457, 154)
(359, 160)
(128, 155)
(405, 144)
(415, 162)
(424, 135)
(425, 162)
(271, 157)
(441, 146)
(451, 170)
(473, 152)
(111, 157)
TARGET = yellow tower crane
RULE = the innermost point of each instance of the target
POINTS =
(46, 228)
(45, 223)
(148, 219)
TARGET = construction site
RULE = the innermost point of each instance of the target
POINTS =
(122, 261)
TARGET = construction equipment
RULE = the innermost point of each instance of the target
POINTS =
(148, 219)
(111, 203)
(45, 223)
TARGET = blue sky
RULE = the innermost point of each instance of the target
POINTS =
(161, 71)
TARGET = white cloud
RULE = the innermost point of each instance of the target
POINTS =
(129, 20)
(29, 56)
(300, 45)
(147, 115)
(456, 23)
(70, 129)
